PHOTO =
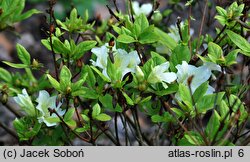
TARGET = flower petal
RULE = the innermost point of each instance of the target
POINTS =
(168, 77)
(212, 66)
(146, 8)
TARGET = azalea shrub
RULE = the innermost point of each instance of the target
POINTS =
(143, 84)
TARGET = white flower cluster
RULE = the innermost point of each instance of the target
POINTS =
(124, 62)
(44, 102)
(160, 74)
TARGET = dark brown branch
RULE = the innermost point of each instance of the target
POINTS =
(8, 130)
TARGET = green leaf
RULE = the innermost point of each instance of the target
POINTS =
(85, 117)
(46, 43)
(26, 128)
(5, 75)
(186, 96)
(224, 110)
(191, 139)
(214, 51)
(107, 101)
(172, 88)
(65, 78)
(103, 117)
(83, 129)
(145, 99)
(60, 47)
(235, 103)
(178, 112)
(83, 47)
(79, 92)
(100, 74)
(27, 14)
(231, 57)
(112, 71)
(23, 54)
(125, 39)
(91, 80)
(54, 82)
(142, 22)
(71, 123)
(77, 85)
(88, 93)
(157, 118)
(221, 19)
(200, 92)
(117, 29)
(167, 117)
(18, 66)
(221, 11)
(69, 114)
(118, 108)
(148, 36)
(128, 99)
(154, 54)
(213, 125)
(165, 39)
(52, 119)
(208, 102)
(241, 42)
(179, 54)
(96, 110)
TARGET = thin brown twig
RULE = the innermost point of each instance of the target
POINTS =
(61, 119)
(202, 24)
(50, 38)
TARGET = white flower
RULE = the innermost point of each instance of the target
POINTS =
(200, 74)
(144, 9)
(44, 102)
(102, 54)
(160, 74)
(124, 62)
(102, 57)
(24, 101)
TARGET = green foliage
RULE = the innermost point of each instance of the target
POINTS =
(240, 42)
(140, 31)
(97, 115)
(68, 118)
(180, 53)
(215, 54)
(228, 16)
(75, 24)
(12, 12)
(26, 128)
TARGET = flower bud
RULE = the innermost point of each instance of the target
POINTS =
(5, 88)
(139, 74)
(36, 64)
(157, 17)
(4, 98)
(142, 87)
(79, 63)
(68, 90)
(17, 82)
